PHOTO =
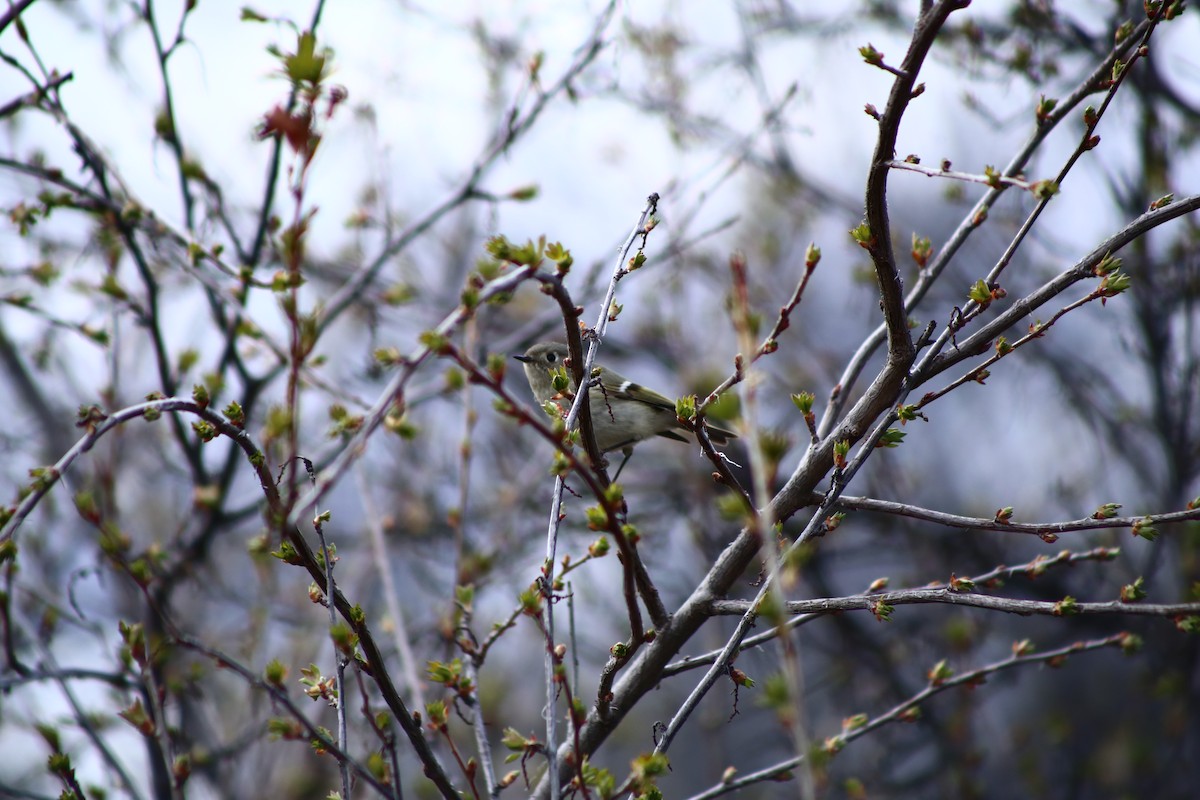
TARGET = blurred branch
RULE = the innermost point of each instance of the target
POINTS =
(302, 554)
(947, 596)
(1030, 569)
(974, 219)
(770, 342)
(280, 698)
(13, 11)
(935, 362)
(167, 123)
(612, 504)
(966, 177)
(94, 729)
(869, 414)
(37, 402)
(271, 183)
(1046, 530)
(393, 393)
(516, 125)
(372, 520)
(478, 725)
(32, 99)
(910, 709)
(116, 680)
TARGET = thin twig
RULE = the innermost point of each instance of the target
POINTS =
(383, 565)
(971, 222)
(905, 710)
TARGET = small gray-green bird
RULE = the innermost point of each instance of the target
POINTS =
(623, 412)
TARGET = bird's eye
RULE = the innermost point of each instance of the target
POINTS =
(551, 357)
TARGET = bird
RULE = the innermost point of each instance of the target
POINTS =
(623, 412)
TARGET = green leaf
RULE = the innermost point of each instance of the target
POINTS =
(306, 65)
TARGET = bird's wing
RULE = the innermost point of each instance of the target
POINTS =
(625, 389)
(628, 390)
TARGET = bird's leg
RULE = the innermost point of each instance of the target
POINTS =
(628, 451)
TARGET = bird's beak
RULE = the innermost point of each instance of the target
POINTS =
(524, 359)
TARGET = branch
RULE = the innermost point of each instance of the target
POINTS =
(994, 181)
(879, 246)
(302, 555)
(910, 708)
(170, 133)
(1030, 569)
(630, 560)
(948, 596)
(935, 362)
(31, 99)
(1045, 530)
(12, 12)
(393, 394)
(517, 125)
(280, 697)
(972, 221)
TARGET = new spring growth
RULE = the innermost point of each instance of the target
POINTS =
(957, 584)
(891, 438)
(234, 413)
(1133, 592)
(1044, 190)
(524, 193)
(1145, 528)
(983, 294)
(500, 248)
(530, 601)
(205, 430)
(804, 401)
(862, 235)
(560, 381)
(685, 408)
(597, 518)
(840, 450)
(513, 740)
(854, 723)
(599, 548)
(496, 365)
(922, 248)
(1066, 607)
(871, 55)
(560, 256)
(939, 673)
(1112, 285)
(1045, 107)
(89, 417)
(1162, 202)
(881, 610)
